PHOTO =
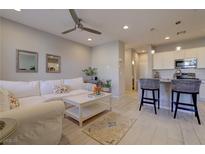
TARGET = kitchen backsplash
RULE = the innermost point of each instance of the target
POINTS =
(169, 74)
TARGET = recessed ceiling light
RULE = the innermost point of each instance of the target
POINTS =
(153, 51)
(89, 39)
(167, 38)
(125, 27)
(17, 10)
(178, 48)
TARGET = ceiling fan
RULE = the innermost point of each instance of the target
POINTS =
(79, 25)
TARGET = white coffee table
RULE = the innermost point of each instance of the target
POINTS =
(86, 106)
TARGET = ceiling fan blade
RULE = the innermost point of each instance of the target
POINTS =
(68, 31)
(91, 30)
(74, 16)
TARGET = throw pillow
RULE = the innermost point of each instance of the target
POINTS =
(8, 100)
(60, 89)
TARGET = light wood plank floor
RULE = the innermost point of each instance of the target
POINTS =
(148, 128)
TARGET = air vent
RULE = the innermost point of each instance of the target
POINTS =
(181, 32)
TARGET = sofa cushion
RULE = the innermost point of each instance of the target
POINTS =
(88, 86)
(47, 86)
(26, 101)
(53, 97)
(20, 88)
(75, 83)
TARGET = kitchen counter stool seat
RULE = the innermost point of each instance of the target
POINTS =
(152, 85)
(185, 86)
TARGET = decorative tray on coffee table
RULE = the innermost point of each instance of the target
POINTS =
(92, 95)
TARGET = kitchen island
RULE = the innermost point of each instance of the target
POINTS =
(165, 94)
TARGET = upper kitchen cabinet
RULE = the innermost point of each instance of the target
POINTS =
(200, 58)
(179, 54)
(157, 61)
(163, 60)
(190, 53)
(166, 60)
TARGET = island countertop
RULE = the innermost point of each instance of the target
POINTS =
(165, 94)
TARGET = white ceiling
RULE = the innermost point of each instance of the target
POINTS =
(110, 23)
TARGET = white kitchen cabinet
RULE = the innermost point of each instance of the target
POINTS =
(157, 61)
(201, 58)
(190, 53)
(179, 54)
(163, 60)
(166, 60)
(202, 92)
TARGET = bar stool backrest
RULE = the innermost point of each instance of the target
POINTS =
(186, 85)
(149, 84)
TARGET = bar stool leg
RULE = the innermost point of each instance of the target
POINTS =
(194, 96)
(172, 102)
(158, 98)
(142, 97)
(155, 109)
(176, 107)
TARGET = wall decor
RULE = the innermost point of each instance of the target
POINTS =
(26, 61)
(53, 63)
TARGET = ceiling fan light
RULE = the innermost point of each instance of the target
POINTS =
(17, 10)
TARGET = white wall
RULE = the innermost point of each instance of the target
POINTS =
(74, 56)
(121, 66)
(143, 65)
(106, 58)
(0, 48)
(149, 62)
(128, 69)
(146, 63)
(136, 69)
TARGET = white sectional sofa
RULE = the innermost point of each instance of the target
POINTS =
(41, 112)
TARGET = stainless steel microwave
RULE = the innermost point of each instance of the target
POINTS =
(186, 63)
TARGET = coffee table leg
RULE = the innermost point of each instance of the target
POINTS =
(80, 120)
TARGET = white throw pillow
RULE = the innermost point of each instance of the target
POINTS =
(48, 86)
(76, 83)
(21, 89)
(8, 100)
(89, 86)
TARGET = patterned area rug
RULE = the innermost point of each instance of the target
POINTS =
(110, 128)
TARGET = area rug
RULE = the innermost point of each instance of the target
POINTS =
(110, 128)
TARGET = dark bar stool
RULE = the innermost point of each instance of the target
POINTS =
(152, 85)
(185, 86)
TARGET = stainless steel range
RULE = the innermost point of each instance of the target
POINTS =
(187, 76)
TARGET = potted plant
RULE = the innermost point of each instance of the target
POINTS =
(90, 72)
(107, 86)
